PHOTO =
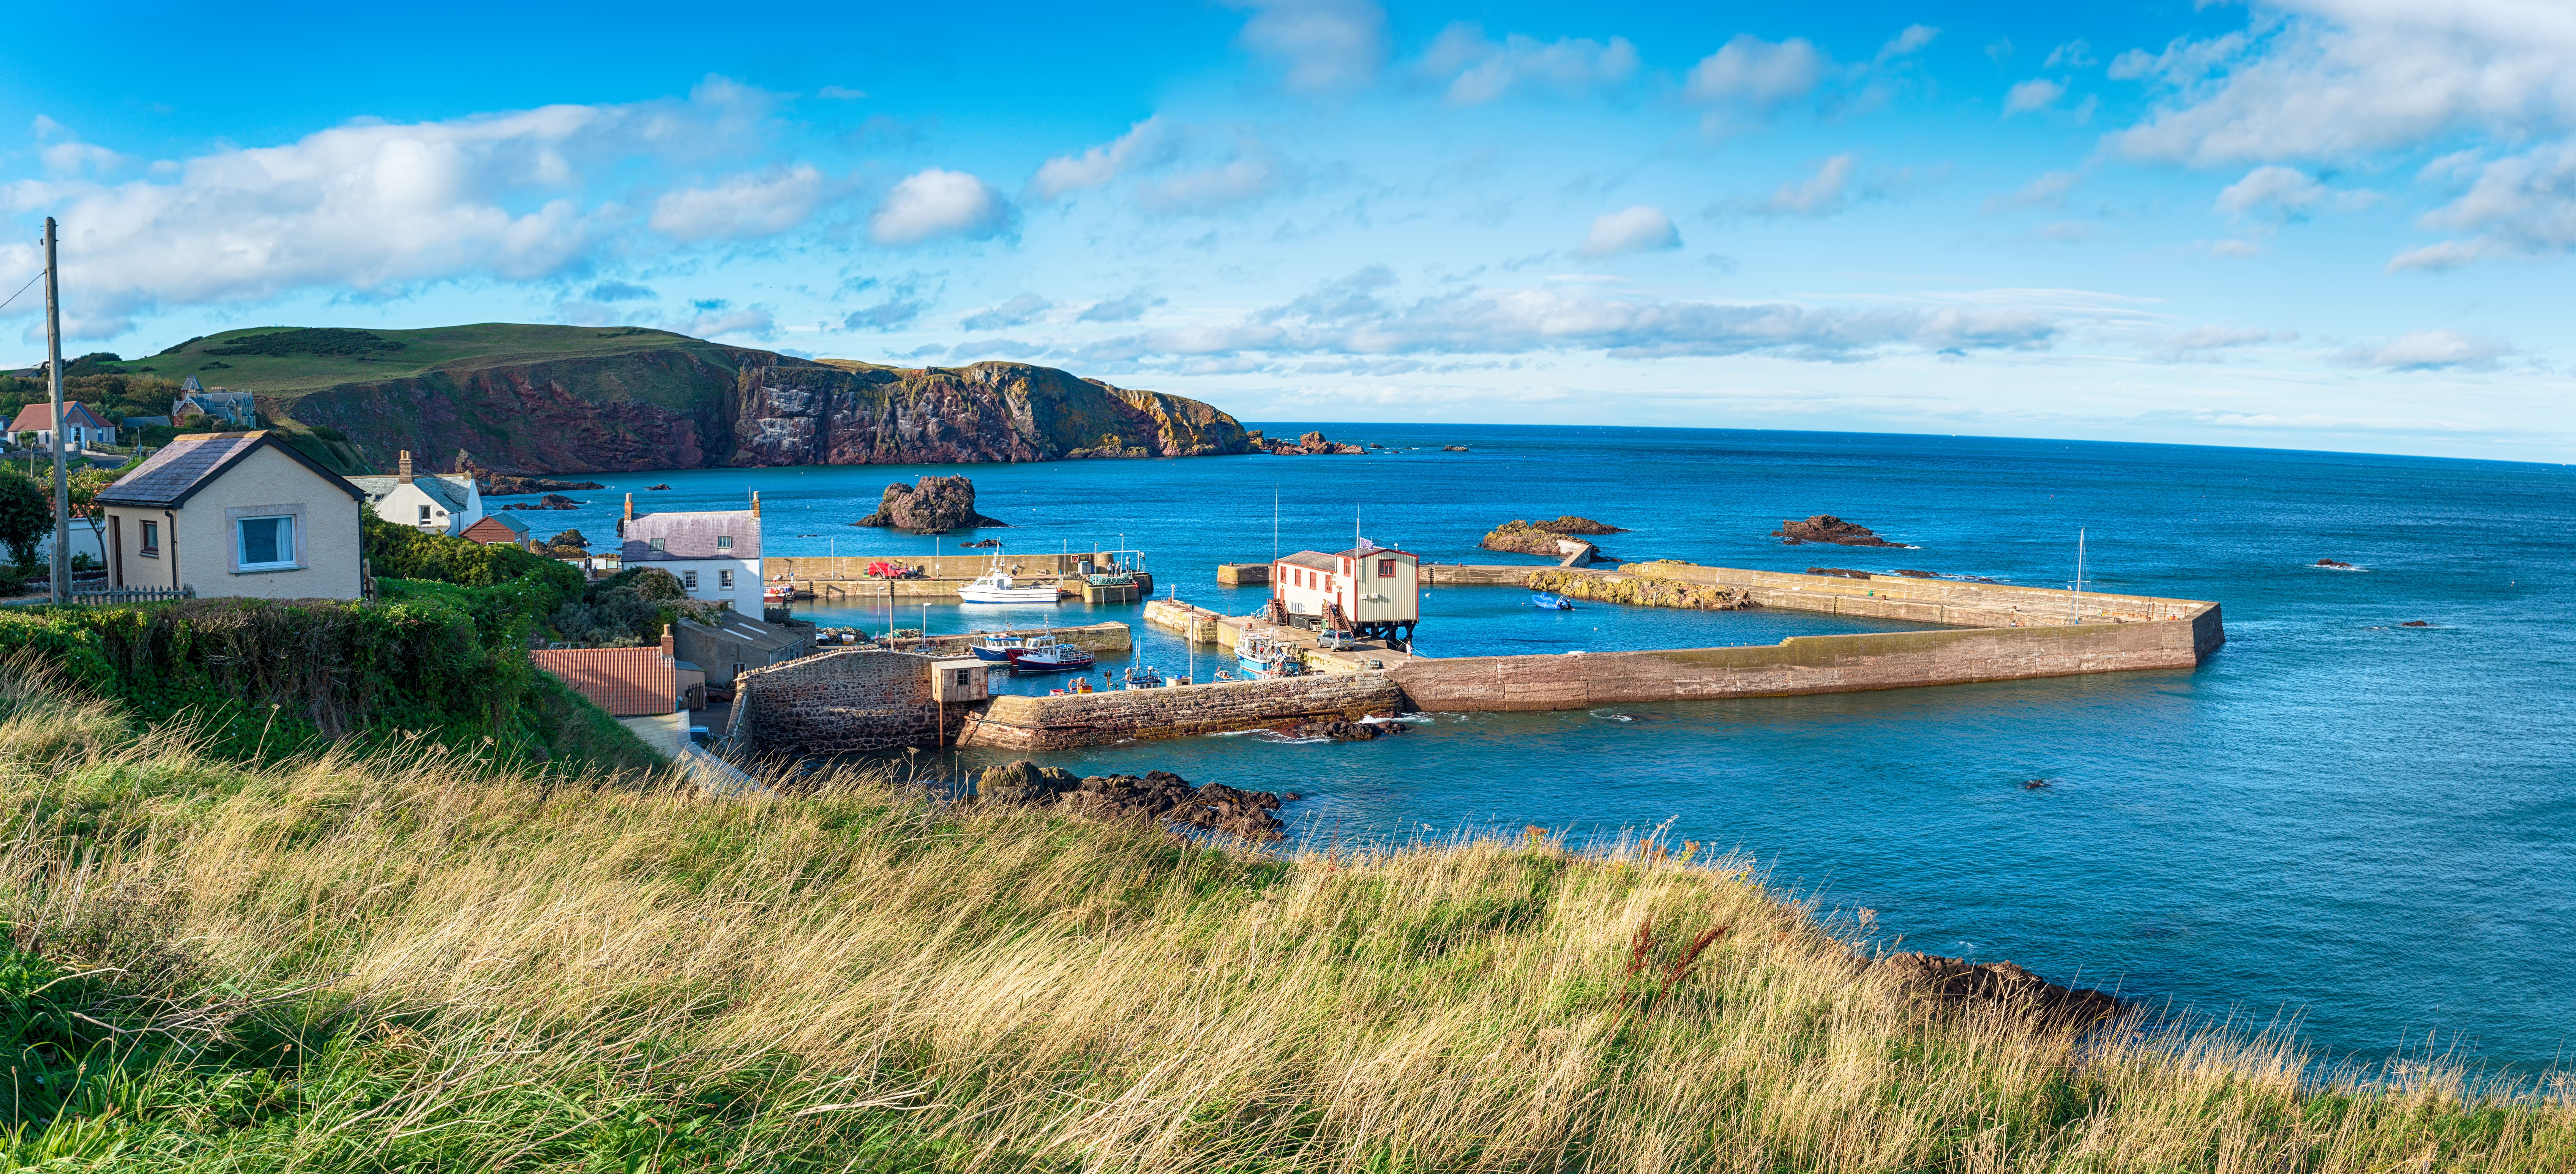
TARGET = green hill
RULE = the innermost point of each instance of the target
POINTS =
(572, 399)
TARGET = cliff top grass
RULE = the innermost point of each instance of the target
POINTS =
(296, 360)
(424, 961)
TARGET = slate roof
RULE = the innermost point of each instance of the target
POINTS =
(627, 682)
(40, 417)
(1373, 552)
(454, 489)
(691, 535)
(190, 463)
(753, 633)
(1314, 562)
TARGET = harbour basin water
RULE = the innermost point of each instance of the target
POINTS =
(2368, 825)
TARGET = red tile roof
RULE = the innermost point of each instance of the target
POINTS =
(40, 417)
(627, 682)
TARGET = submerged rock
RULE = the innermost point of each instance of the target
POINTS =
(1959, 981)
(1828, 528)
(929, 504)
(1340, 731)
(1843, 572)
(2327, 562)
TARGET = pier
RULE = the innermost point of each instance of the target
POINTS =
(844, 581)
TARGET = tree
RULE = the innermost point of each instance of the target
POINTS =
(26, 520)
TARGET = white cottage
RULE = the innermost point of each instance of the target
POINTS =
(234, 513)
(1371, 590)
(441, 503)
(716, 553)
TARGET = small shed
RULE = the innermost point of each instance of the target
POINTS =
(491, 529)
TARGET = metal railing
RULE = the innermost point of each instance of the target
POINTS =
(131, 595)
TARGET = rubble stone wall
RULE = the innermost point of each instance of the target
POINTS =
(838, 702)
(1095, 719)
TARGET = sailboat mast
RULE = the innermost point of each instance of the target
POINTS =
(2075, 602)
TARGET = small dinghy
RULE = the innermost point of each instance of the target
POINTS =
(1548, 601)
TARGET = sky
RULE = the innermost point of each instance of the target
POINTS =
(2327, 224)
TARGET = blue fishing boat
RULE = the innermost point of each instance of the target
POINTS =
(1547, 601)
(1261, 656)
(999, 649)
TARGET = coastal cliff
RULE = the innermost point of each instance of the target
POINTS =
(519, 399)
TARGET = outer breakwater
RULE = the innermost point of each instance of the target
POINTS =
(2006, 633)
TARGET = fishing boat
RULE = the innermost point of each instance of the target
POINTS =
(995, 585)
(1144, 678)
(1262, 656)
(998, 648)
(1547, 601)
(1043, 653)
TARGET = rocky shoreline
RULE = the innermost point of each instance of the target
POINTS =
(1159, 795)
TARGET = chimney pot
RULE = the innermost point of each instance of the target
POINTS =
(403, 468)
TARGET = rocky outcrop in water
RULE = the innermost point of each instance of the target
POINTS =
(551, 501)
(928, 506)
(1311, 444)
(1548, 539)
(1159, 794)
(1957, 981)
(508, 485)
(1341, 731)
(1828, 528)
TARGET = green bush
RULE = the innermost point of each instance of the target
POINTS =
(26, 520)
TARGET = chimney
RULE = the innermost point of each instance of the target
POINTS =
(755, 503)
(670, 647)
(630, 507)
(403, 468)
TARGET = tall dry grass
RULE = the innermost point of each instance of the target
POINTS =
(418, 963)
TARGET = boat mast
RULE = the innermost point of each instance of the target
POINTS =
(2075, 602)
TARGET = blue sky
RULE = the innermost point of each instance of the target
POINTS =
(2339, 224)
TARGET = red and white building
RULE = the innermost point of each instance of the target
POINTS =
(1373, 589)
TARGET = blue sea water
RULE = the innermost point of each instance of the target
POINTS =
(2369, 826)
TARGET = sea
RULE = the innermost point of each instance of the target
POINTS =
(2343, 825)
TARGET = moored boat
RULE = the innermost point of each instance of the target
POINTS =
(1547, 601)
(1262, 656)
(1044, 653)
(998, 648)
(996, 585)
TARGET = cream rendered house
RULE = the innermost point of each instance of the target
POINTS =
(441, 503)
(234, 514)
(715, 553)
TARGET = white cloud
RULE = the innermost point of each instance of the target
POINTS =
(2426, 350)
(840, 93)
(1907, 43)
(1477, 70)
(1144, 145)
(2286, 189)
(1320, 45)
(1639, 229)
(718, 320)
(1120, 309)
(2038, 93)
(2202, 343)
(1024, 308)
(741, 207)
(1751, 70)
(1250, 175)
(1818, 194)
(2047, 191)
(1352, 317)
(932, 203)
(2519, 205)
(2340, 79)
(369, 208)
(2074, 54)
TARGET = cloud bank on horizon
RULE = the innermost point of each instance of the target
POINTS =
(2310, 223)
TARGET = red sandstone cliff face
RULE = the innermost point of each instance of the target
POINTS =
(696, 405)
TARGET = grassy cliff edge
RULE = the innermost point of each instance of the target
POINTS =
(422, 961)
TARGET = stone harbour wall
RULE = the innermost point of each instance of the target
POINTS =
(837, 702)
(1807, 664)
(1096, 719)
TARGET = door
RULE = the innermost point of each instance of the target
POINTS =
(115, 553)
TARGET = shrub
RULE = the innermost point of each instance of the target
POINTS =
(26, 520)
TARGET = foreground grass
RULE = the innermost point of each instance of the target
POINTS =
(419, 964)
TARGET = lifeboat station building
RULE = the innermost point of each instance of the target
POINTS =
(1369, 591)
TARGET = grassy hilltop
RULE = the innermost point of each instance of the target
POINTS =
(573, 399)
(425, 960)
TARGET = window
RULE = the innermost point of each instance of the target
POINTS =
(151, 540)
(424, 515)
(724, 542)
(964, 676)
(657, 544)
(688, 579)
(724, 579)
(1385, 568)
(265, 544)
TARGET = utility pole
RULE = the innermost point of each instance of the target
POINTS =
(54, 376)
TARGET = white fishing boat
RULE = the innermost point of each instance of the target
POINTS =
(1262, 656)
(1043, 653)
(996, 585)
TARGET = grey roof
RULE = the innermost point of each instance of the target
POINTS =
(752, 632)
(190, 463)
(1313, 561)
(453, 488)
(1372, 551)
(691, 535)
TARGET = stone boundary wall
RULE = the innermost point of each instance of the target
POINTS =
(1111, 638)
(1807, 664)
(1096, 719)
(836, 702)
(1928, 601)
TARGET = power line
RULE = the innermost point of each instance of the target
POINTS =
(31, 284)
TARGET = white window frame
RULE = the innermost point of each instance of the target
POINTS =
(724, 542)
(291, 524)
(724, 580)
(689, 580)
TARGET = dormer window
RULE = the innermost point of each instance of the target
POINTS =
(724, 542)
(657, 544)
